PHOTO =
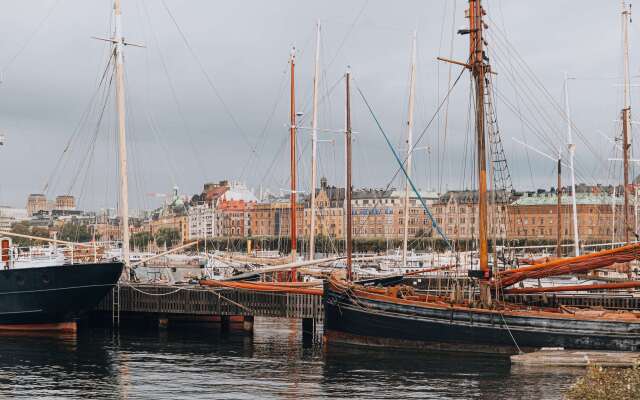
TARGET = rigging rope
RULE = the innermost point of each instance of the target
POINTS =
(404, 171)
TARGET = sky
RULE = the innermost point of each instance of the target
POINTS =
(208, 94)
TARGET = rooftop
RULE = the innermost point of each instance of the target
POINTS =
(581, 199)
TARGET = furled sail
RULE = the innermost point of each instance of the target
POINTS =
(571, 265)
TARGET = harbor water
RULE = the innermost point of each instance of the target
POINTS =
(272, 363)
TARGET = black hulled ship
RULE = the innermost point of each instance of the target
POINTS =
(53, 297)
(480, 320)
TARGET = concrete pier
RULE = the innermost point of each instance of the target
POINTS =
(558, 357)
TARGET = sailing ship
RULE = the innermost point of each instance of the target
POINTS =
(50, 288)
(49, 293)
(480, 319)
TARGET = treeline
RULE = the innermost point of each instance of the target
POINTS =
(70, 232)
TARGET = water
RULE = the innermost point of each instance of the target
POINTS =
(205, 363)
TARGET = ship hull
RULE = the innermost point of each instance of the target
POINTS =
(351, 318)
(51, 298)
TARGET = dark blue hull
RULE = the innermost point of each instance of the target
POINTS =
(357, 319)
(49, 295)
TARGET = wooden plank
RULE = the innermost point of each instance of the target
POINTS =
(576, 358)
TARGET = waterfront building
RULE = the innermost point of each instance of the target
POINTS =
(11, 215)
(379, 213)
(37, 202)
(273, 218)
(329, 212)
(177, 222)
(233, 210)
(65, 202)
(535, 216)
(202, 221)
(456, 213)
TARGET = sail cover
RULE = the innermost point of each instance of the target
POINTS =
(571, 265)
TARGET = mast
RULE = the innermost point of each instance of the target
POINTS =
(559, 207)
(348, 165)
(479, 69)
(412, 91)
(572, 150)
(626, 16)
(314, 147)
(613, 217)
(292, 227)
(122, 136)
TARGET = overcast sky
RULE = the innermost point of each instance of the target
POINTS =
(207, 99)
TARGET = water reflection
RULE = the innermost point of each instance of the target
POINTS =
(194, 363)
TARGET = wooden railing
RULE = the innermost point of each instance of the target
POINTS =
(196, 300)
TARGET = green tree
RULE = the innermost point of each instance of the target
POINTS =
(140, 240)
(23, 228)
(73, 232)
(167, 237)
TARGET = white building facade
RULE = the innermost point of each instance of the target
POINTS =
(201, 220)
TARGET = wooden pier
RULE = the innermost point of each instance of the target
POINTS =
(197, 303)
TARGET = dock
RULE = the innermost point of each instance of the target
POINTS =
(576, 358)
(194, 303)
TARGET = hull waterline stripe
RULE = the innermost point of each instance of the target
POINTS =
(57, 289)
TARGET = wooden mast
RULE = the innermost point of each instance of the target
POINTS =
(293, 227)
(407, 188)
(626, 15)
(479, 69)
(314, 148)
(348, 167)
(559, 207)
(122, 136)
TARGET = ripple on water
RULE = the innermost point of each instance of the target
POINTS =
(271, 364)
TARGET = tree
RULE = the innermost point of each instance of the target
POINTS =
(167, 237)
(140, 240)
(23, 228)
(73, 232)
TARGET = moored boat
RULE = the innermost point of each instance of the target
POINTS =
(478, 318)
(53, 297)
(396, 317)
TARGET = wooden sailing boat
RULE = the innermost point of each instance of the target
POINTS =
(397, 316)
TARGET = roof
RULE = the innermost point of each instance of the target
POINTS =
(423, 194)
(471, 196)
(238, 191)
(581, 199)
(371, 194)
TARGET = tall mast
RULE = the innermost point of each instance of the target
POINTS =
(412, 91)
(479, 69)
(314, 147)
(626, 16)
(293, 228)
(348, 163)
(613, 217)
(122, 136)
(572, 150)
(559, 208)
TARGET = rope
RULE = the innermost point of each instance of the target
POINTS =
(510, 334)
(216, 292)
(404, 171)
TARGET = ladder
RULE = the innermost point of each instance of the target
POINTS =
(500, 174)
(115, 307)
